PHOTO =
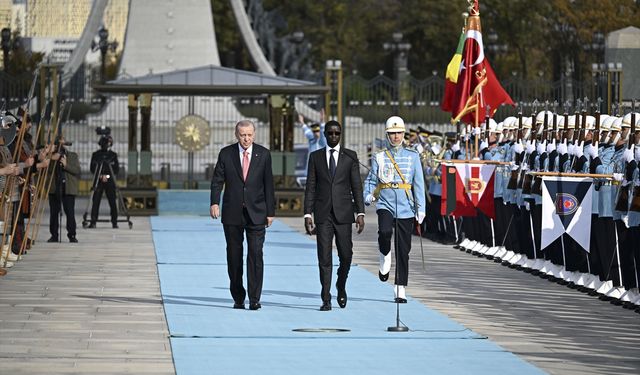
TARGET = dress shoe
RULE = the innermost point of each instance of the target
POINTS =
(12, 257)
(73, 239)
(326, 306)
(400, 295)
(385, 267)
(342, 298)
(53, 239)
(2, 272)
(91, 225)
(239, 306)
(254, 305)
(114, 225)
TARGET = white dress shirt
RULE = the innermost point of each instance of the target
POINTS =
(335, 157)
(241, 153)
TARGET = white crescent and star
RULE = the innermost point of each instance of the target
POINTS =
(477, 36)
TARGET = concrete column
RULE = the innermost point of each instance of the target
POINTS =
(146, 178)
(132, 154)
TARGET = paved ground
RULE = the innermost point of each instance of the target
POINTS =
(558, 329)
(94, 307)
(88, 308)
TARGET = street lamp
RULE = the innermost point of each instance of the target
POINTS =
(400, 50)
(333, 79)
(104, 46)
(607, 80)
(8, 45)
(492, 44)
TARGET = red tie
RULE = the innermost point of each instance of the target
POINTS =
(245, 164)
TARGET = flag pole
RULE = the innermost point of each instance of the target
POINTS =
(477, 125)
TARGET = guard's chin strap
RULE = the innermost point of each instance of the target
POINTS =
(393, 147)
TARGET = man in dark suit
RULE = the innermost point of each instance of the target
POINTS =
(333, 194)
(248, 206)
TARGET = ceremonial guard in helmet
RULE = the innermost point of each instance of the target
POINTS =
(396, 183)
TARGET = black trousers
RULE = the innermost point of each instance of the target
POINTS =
(326, 231)
(234, 235)
(511, 237)
(109, 189)
(608, 250)
(402, 237)
(68, 203)
(632, 246)
(627, 256)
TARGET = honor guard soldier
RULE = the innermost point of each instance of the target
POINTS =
(396, 183)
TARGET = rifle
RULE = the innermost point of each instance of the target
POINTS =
(545, 122)
(583, 134)
(513, 180)
(555, 121)
(536, 188)
(526, 179)
(635, 200)
(622, 200)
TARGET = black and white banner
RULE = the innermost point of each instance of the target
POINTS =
(566, 208)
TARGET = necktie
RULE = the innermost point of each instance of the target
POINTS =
(332, 163)
(245, 164)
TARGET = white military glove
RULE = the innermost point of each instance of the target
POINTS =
(638, 154)
(578, 150)
(456, 147)
(518, 148)
(562, 148)
(541, 147)
(618, 176)
(435, 148)
(369, 199)
(420, 217)
(592, 151)
(531, 147)
(551, 146)
(476, 131)
(628, 154)
(514, 166)
(484, 144)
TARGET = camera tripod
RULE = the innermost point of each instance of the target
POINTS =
(122, 208)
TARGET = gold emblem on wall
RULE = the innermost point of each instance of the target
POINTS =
(192, 133)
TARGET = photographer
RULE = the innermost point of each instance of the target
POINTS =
(104, 166)
(66, 173)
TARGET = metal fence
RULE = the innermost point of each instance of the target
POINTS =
(367, 104)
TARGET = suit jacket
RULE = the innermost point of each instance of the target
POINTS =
(256, 194)
(324, 193)
(71, 174)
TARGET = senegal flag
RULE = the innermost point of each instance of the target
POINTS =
(453, 70)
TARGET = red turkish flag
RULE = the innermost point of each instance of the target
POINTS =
(477, 85)
(467, 186)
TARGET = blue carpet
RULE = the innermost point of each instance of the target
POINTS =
(208, 336)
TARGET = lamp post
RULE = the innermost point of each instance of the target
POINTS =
(607, 80)
(104, 46)
(493, 46)
(333, 79)
(400, 50)
(6, 46)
